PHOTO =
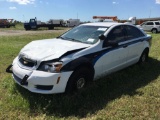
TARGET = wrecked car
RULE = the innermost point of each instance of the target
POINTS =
(86, 52)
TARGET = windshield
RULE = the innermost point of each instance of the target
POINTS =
(84, 34)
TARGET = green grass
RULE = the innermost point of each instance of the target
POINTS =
(17, 27)
(132, 93)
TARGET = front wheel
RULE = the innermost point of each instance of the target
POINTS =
(79, 79)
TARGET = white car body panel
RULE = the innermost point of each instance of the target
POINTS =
(133, 51)
(43, 50)
(42, 78)
(18, 71)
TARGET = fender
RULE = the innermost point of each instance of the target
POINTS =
(82, 61)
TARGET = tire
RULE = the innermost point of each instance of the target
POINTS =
(154, 30)
(8, 26)
(79, 80)
(144, 56)
(27, 28)
(50, 28)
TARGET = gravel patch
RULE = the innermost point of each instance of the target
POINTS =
(23, 32)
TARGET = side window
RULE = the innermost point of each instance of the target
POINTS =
(133, 32)
(143, 24)
(149, 23)
(157, 23)
(117, 34)
(32, 21)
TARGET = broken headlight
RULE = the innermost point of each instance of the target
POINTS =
(51, 67)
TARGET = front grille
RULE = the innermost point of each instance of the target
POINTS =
(27, 62)
(18, 79)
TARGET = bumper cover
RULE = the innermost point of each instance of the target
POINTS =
(39, 81)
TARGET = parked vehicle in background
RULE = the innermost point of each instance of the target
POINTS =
(6, 23)
(72, 22)
(131, 20)
(151, 26)
(59, 22)
(35, 24)
(86, 52)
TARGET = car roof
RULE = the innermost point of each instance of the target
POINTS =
(152, 21)
(105, 24)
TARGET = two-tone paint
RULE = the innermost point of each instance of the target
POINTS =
(100, 59)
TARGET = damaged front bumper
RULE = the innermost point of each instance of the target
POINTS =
(39, 81)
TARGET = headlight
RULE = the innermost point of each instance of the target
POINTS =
(51, 67)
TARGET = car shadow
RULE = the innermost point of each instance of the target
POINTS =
(97, 95)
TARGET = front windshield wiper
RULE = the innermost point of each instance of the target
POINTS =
(67, 38)
(72, 39)
(77, 40)
(61, 37)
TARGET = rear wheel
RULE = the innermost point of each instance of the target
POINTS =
(8, 26)
(144, 56)
(27, 28)
(154, 30)
(79, 79)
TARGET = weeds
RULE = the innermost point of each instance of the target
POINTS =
(132, 93)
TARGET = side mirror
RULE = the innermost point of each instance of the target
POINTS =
(102, 37)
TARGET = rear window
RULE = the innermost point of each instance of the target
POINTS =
(133, 32)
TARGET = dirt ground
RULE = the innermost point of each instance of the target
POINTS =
(23, 32)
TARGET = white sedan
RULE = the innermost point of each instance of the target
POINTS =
(86, 52)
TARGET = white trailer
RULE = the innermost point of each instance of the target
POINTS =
(56, 21)
(72, 22)
(131, 20)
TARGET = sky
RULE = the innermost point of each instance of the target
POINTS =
(44, 10)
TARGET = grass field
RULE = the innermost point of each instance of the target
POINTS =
(17, 27)
(132, 93)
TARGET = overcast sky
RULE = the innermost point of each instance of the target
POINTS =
(44, 10)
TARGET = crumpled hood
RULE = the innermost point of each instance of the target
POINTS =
(43, 50)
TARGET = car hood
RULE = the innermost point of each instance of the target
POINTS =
(49, 49)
